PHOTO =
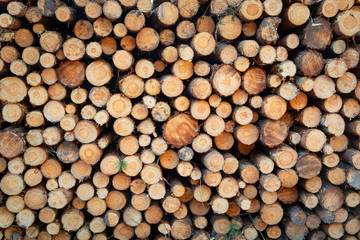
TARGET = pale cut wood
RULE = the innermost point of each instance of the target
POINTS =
(273, 8)
(185, 30)
(347, 23)
(64, 14)
(147, 39)
(251, 10)
(272, 213)
(328, 8)
(295, 15)
(99, 73)
(145, 6)
(274, 107)
(203, 43)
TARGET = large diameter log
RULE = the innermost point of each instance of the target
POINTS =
(166, 14)
(271, 214)
(273, 132)
(226, 80)
(12, 89)
(68, 152)
(180, 130)
(86, 131)
(347, 23)
(317, 34)
(330, 197)
(203, 43)
(295, 15)
(312, 139)
(12, 184)
(12, 143)
(147, 39)
(50, 41)
(99, 72)
(229, 27)
(71, 73)
(309, 62)
(274, 107)
(254, 81)
(308, 166)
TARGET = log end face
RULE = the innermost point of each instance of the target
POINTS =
(11, 144)
(181, 130)
(71, 73)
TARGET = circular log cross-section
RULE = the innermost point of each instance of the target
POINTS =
(181, 130)
(226, 80)
(71, 73)
(12, 144)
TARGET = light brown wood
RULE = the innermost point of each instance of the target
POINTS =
(218, 92)
(251, 10)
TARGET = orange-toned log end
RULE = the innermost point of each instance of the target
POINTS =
(254, 81)
(181, 130)
(226, 80)
(71, 73)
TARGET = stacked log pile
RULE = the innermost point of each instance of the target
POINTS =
(184, 119)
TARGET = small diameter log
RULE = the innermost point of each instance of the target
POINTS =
(185, 30)
(308, 199)
(328, 8)
(264, 163)
(351, 57)
(225, 53)
(248, 172)
(266, 56)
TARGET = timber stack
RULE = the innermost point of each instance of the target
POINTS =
(181, 119)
